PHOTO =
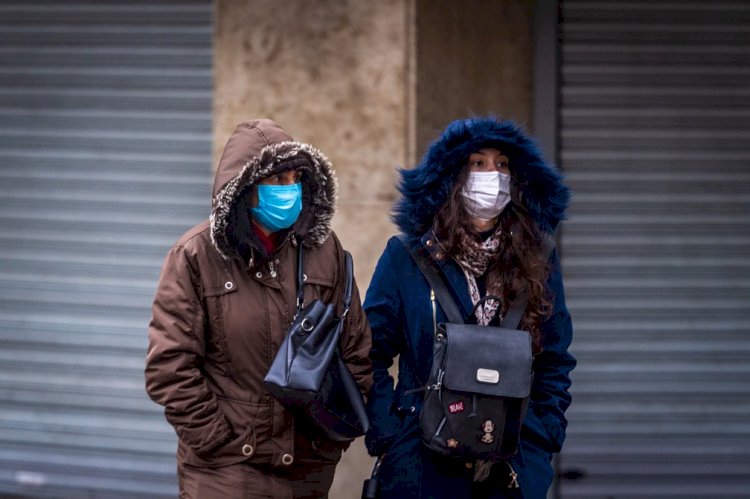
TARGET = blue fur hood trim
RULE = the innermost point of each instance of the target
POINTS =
(425, 188)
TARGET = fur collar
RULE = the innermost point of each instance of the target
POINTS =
(426, 188)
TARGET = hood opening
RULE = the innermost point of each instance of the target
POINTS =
(232, 233)
(425, 188)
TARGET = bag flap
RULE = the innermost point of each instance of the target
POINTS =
(307, 349)
(488, 360)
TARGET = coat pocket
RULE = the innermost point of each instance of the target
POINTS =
(240, 449)
(217, 347)
(318, 287)
(245, 419)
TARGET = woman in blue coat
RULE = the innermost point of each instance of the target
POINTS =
(481, 202)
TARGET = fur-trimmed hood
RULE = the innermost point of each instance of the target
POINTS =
(427, 187)
(256, 150)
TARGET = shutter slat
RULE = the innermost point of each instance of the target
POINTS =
(105, 148)
(655, 143)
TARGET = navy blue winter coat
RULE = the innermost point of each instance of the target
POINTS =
(399, 310)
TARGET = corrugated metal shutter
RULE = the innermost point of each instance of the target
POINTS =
(655, 138)
(105, 150)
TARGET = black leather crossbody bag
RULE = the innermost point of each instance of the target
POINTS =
(479, 386)
(308, 374)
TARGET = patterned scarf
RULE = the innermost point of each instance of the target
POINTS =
(474, 260)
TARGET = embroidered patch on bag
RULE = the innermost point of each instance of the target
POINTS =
(452, 443)
(488, 427)
(456, 407)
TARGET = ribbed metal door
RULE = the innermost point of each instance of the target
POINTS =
(105, 150)
(655, 138)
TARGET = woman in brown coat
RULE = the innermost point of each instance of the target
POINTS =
(225, 298)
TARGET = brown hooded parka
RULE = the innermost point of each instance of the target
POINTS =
(221, 310)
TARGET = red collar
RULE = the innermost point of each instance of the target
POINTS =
(270, 242)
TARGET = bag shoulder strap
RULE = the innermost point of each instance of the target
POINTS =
(348, 285)
(300, 276)
(436, 282)
(349, 269)
(512, 317)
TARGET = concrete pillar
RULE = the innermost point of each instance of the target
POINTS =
(369, 83)
(472, 57)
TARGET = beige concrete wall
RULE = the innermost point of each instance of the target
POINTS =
(368, 83)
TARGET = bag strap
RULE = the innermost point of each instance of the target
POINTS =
(436, 282)
(300, 276)
(348, 285)
(512, 317)
(481, 302)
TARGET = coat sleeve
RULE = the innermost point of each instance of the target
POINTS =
(174, 376)
(383, 306)
(545, 423)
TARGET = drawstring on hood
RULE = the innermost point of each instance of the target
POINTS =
(257, 150)
(427, 187)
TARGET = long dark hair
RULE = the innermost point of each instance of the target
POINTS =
(520, 266)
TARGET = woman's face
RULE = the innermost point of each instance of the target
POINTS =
(287, 177)
(488, 160)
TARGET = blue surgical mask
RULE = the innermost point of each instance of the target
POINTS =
(279, 206)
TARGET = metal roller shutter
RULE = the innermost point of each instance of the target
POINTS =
(655, 141)
(105, 150)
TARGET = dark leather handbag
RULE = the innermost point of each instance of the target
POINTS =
(479, 386)
(308, 375)
(483, 381)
